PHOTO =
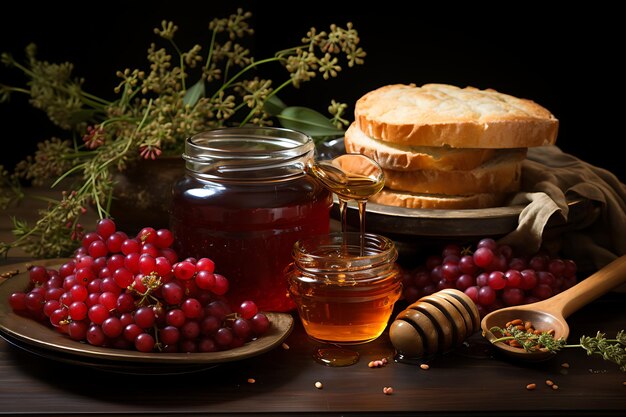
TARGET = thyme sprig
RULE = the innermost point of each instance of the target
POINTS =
(180, 93)
(612, 350)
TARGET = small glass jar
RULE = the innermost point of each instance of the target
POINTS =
(343, 295)
(244, 201)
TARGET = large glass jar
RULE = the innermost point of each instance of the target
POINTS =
(345, 288)
(244, 201)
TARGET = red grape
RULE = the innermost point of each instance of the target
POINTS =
(38, 274)
(486, 295)
(513, 278)
(483, 257)
(496, 280)
(98, 313)
(144, 317)
(78, 310)
(105, 228)
(164, 239)
(147, 235)
(184, 270)
(248, 309)
(192, 308)
(112, 327)
(129, 293)
(492, 275)
(144, 342)
(450, 270)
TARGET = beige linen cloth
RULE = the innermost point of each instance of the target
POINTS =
(549, 178)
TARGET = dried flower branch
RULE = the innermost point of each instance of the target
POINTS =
(180, 93)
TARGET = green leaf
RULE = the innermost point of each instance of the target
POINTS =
(194, 93)
(273, 106)
(308, 121)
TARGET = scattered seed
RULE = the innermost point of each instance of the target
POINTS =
(555, 387)
(377, 363)
(251, 380)
(549, 382)
(531, 387)
(387, 390)
(9, 274)
(624, 383)
(424, 366)
(285, 346)
(565, 365)
(318, 385)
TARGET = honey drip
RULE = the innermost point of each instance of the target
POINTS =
(350, 177)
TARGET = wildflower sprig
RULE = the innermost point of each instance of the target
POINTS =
(612, 350)
(181, 92)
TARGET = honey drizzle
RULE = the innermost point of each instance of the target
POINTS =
(350, 185)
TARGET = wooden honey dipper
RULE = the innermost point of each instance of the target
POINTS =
(435, 323)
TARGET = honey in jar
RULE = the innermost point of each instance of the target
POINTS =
(345, 286)
(244, 201)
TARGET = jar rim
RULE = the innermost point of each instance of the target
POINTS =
(248, 153)
(220, 142)
(320, 252)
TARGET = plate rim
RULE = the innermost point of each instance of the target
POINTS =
(408, 222)
(27, 330)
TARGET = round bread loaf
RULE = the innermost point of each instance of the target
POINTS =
(445, 115)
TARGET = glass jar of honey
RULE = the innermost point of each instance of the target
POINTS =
(345, 292)
(244, 201)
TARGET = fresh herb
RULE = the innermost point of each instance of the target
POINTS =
(612, 350)
(179, 94)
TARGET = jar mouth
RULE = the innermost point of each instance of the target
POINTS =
(342, 251)
(248, 153)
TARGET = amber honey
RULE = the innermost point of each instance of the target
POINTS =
(344, 295)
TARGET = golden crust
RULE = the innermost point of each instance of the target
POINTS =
(445, 115)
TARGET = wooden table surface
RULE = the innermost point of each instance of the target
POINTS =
(472, 380)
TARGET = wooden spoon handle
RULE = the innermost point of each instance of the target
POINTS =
(587, 290)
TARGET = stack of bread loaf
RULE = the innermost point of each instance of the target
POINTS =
(443, 147)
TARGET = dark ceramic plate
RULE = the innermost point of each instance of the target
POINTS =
(43, 340)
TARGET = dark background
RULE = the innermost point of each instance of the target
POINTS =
(565, 59)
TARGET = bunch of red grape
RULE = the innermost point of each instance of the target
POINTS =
(133, 293)
(491, 275)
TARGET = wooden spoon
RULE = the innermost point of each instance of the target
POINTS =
(552, 312)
